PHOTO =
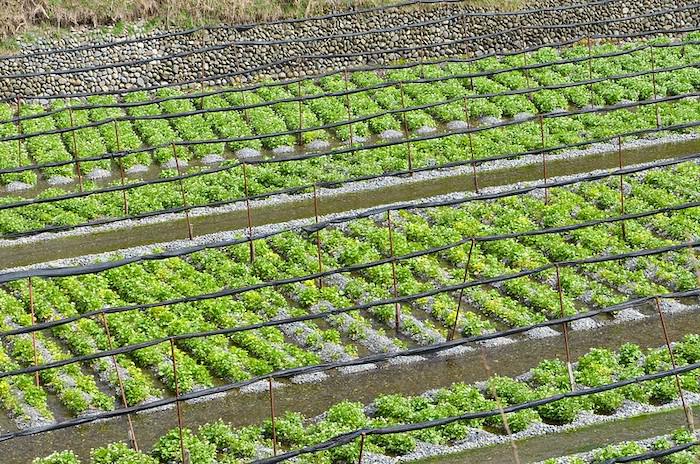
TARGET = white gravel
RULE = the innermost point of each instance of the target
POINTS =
(283, 150)
(628, 314)
(541, 332)
(312, 377)
(587, 323)
(391, 134)
(99, 173)
(137, 169)
(457, 125)
(212, 159)
(59, 180)
(318, 145)
(16, 186)
(247, 153)
(425, 130)
(261, 386)
(172, 163)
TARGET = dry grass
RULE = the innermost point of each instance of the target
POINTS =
(21, 16)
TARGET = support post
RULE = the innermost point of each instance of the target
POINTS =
(653, 83)
(686, 408)
(471, 144)
(362, 448)
(590, 67)
(565, 330)
(19, 132)
(318, 239)
(453, 331)
(122, 392)
(622, 189)
(183, 194)
(405, 130)
(125, 197)
(76, 158)
(499, 405)
(544, 161)
(272, 417)
(300, 138)
(348, 107)
(397, 306)
(31, 310)
(249, 215)
(178, 407)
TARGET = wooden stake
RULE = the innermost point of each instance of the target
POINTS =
(183, 194)
(132, 434)
(499, 405)
(76, 158)
(565, 329)
(471, 144)
(349, 110)
(19, 132)
(453, 331)
(653, 83)
(178, 407)
(622, 190)
(31, 310)
(686, 408)
(272, 417)
(544, 161)
(397, 306)
(405, 130)
(318, 239)
(249, 215)
(300, 138)
(125, 196)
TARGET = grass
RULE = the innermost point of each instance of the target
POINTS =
(29, 18)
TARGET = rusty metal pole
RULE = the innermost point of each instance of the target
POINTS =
(362, 448)
(249, 216)
(499, 405)
(590, 68)
(686, 408)
(471, 144)
(453, 331)
(405, 130)
(318, 239)
(544, 161)
(76, 158)
(178, 407)
(622, 190)
(183, 194)
(246, 117)
(31, 310)
(397, 306)
(565, 330)
(132, 434)
(19, 132)
(272, 417)
(125, 197)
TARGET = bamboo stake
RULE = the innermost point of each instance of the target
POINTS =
(499, 405)
(318, 239)
(405, 131)
(397, 306)
(183, 194)
(272, 417)
(249, 215)
(76, 158)
(453, 331)
(565, 329)
(125, 197)
(686, 408)
(471, 144)
(178, 407)
(132, 434)
(31, 310)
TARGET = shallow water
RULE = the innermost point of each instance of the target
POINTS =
(65, 247)
(411, 379)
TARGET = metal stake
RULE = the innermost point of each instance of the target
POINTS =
(178, 407)
(19, 132)
(251, 244)
(132, 434)
(349, 109)
(499, 405)
(397, 306)
(471, 145)
(76, 158)
(272, 417)
(121, 169)
(565, 329)
(31, 310)
(653, 83)
(300, 138)
(461, 290)
(686, 408)
(184, 196)
(362, 448)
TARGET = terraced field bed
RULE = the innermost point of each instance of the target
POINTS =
(291, 136)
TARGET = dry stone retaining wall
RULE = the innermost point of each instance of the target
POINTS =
(291, 49)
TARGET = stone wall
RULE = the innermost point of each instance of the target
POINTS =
(290, 49)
